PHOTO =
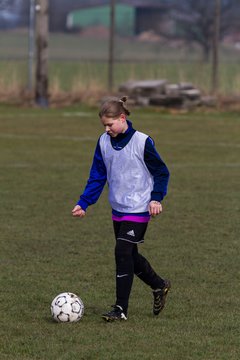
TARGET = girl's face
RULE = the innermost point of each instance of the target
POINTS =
(115, 126)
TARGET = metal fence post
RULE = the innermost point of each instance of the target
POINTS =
(41, 88)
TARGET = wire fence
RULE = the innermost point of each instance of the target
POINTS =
(81, 58)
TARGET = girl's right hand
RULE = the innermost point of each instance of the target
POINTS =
(77, 211)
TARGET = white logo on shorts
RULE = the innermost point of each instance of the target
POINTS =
(131, 233)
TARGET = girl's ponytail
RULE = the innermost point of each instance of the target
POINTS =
(113, 107)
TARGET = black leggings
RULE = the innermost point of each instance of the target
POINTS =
(129, 262)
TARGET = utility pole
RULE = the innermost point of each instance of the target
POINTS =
(41, 89)
(111, 46)
(216, 37)
(31, 36)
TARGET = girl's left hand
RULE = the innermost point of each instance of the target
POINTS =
(155, 208)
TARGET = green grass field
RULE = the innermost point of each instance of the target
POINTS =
(45, 158)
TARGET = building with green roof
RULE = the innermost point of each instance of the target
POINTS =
(125, 23)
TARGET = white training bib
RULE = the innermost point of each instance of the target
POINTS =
(130, 182)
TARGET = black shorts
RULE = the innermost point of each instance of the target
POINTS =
(129, 231)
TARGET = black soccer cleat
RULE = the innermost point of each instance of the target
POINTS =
(159, 297)
(115, 314)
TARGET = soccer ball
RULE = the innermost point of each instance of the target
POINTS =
(67, 307)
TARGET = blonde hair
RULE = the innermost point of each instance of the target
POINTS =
(113, 107)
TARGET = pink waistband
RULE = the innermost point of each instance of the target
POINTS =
(133, 218)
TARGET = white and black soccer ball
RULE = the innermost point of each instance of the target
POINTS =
(67, 307)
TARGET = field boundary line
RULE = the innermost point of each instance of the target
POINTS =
(91, 138)
(47, 137)
(177, 166)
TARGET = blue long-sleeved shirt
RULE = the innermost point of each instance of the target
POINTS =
(98, 173)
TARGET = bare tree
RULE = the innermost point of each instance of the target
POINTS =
(111, 46)
(194, 21)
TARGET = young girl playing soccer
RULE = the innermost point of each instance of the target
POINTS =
(137, 178)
